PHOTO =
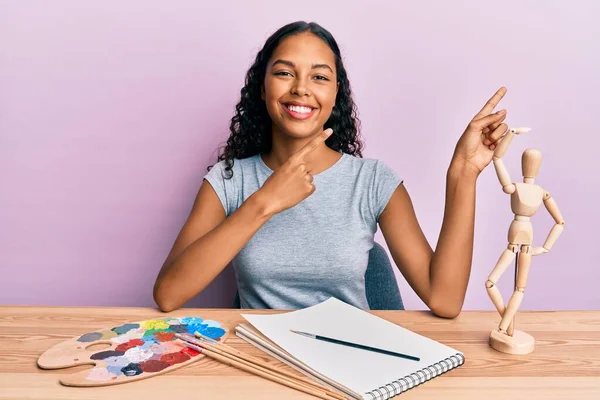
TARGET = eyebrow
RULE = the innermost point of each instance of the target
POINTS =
(292, 65)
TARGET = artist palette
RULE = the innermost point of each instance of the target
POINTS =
(129, 352)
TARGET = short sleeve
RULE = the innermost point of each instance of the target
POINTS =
(223, 184)
(385, 182)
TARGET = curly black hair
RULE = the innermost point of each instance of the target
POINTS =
(251, 125)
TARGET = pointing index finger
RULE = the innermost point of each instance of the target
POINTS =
(313, 144)
(492, 103)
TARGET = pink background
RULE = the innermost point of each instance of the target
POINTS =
(111, 111)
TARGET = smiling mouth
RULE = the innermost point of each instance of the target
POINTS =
(298, 112)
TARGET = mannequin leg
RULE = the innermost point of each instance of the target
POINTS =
(504, 261)
(517, 296)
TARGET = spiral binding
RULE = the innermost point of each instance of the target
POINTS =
(416, 378)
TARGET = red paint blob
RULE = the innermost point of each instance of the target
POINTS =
(175, 358)
(154, 365)
(164, 336)
(129, 344)
(190, 351)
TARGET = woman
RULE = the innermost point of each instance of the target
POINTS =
(295, 206)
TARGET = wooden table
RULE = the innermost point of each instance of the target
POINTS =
(564, 365)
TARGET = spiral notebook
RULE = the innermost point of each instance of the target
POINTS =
(353, 372)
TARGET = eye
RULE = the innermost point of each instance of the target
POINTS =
(321, 78)
(282, 73)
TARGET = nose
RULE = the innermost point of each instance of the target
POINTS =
(300, 88)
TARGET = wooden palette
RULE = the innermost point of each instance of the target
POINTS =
(129, 352)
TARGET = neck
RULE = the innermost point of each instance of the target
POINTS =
(528, 180)
(284, 146)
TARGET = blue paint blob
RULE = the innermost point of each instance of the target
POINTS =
(210, 331)
(192, 328)
(90, 337)
(147, 344)
(124, 328)
(115, 370)
(191, 320)
(149, 339)
(132, 369)
(105, 354)
(210, 322)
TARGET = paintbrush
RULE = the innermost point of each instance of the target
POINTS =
(258, 367)
(222, 347)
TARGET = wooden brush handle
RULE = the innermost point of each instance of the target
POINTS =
(267, 375)
(258, 361)
(217, 353)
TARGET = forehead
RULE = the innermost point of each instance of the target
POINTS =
(304, 48)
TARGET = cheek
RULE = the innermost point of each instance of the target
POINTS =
(273, 90)
(326, 98)
(272, 96)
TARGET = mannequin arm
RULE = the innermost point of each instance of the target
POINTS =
(556, 230)
(558, 218)
(507, 186)
(506, 139)
(503, 144)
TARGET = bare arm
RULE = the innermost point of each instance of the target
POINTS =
(439, 278)
(206, 244)
(208, 241)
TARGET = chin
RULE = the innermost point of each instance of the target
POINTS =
(299, 132)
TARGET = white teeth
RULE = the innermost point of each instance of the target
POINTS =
(300, 109)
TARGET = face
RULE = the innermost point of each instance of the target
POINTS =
(300, 85)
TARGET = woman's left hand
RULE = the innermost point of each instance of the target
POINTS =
(475, 148)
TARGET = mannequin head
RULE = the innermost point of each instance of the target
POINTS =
(530, 163)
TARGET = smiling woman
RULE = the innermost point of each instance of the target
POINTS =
(293, 74)
(294, 205)
(300, 65)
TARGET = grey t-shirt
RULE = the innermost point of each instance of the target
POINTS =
(317, 249)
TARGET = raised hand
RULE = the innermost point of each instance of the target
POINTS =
(475, 148)
(292, 182)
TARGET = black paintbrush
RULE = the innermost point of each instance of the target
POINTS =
(356, 345)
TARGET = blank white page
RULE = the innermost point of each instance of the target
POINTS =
(360, 370)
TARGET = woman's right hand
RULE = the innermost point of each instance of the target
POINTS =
(292, 182)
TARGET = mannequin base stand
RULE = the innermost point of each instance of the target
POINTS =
(519, 343)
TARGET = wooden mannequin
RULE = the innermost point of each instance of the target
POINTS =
(525, 199)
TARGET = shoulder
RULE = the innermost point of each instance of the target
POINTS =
(372, 169)
(377, 181)
(227, 177)
(232, 169)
